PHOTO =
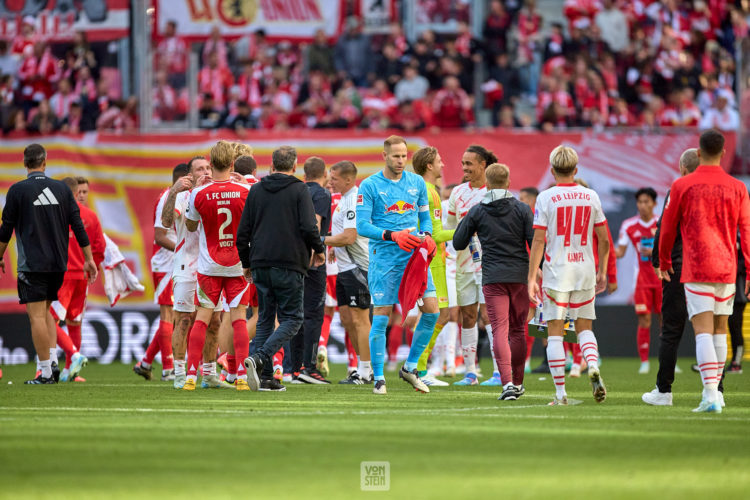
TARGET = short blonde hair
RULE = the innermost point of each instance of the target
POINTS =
(498, 176)
(392, 140)
(222, 155)
(563, 159)
(241, 149)
(422, 158)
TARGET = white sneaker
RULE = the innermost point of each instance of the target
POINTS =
(412, 378)
(677, 369)
(643, 370)
(575, 371)
(430, 381)
(721, 400)
(708, 407)
(657, 398)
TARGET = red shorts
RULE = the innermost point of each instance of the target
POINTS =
(236, 290)
(71, 300)
(253, 294)
(331, 290)
(647, 300)
(163, 293)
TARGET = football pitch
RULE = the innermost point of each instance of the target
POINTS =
(118, 436)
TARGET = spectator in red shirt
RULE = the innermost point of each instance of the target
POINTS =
(215, 80)
(172, 54)
(62, 99)
(27, 37)
(216, 44)
(709, 206)
(164, 99)
(451, 105)
(39, 70)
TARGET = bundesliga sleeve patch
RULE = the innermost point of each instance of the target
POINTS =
(360, 200)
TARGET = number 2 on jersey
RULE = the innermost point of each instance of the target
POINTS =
(573, 220)
(227, 222)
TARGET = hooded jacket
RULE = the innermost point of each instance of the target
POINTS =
(278, 226)
(504, 226)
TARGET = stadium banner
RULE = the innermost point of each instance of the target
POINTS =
(377, 15)
(58, 20)
(281, 19)
(127, 173)
(111, 336)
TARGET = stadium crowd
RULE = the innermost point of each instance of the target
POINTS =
(641, 63)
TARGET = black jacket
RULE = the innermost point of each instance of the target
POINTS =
(676, 250)
(278, 226)
(42, 211)
(504, 226)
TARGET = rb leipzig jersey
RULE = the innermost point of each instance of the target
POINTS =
(218, 206)
(641, 234)
(462, 198)
(161, 261)
(568, 213)
(186, 248)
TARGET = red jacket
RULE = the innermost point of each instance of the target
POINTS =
(611, 260)
(708, 205)
(96, 237)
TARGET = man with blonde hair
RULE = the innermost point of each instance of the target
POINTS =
(504, 226)
(563, 220)
(215, 211)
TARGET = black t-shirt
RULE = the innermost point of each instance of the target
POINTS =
(322, 202)
(42, 211)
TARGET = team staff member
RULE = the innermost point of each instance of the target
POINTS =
(42, 211)
(276, 237)
(352, 259)
(304, 345)
(674, 309)
(504, 226)
(428, 163)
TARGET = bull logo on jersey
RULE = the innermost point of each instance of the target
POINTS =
(400, 207)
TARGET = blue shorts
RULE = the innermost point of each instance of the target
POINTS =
(384, 279)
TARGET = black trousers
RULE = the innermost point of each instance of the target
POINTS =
(735, 331)
(674, 316)
(304, 344)
(279, 296)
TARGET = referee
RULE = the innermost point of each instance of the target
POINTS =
(41, 210)
(673, 309)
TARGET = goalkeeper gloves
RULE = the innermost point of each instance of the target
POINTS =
(405, 241)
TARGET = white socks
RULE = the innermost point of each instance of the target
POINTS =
(720, 346)
(364, 368)
(589, 348)
(209, 369)
(705, 353)
(53, 354)
(556, 360)
(450, 330)
(469, 337)
(488, 327)
(179, 367)
(46, 367)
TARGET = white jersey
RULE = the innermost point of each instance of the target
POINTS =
(161, 262)
(186, 250)
(345, 217)
(462, 198)
(569, 212)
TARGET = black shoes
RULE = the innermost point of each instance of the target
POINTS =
(312, 376)
(254, 366)
(143, 372)
(41, 381)
(55, 372)
(271, 384)
(352, 379)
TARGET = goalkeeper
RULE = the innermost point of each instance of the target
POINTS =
(390, 206)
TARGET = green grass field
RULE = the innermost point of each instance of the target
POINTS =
(118, 436)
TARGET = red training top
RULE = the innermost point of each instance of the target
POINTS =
(96, 237)
(708, 205)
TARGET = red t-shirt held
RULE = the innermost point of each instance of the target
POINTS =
(709, 205)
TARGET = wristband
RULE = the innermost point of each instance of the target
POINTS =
(387, 235)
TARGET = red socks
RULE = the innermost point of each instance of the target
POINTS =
(577, 354)
(350, 353)
(165, 345)
(153, 347)
(195, 349)
(66, 344)
(232, 364)
(241, 345)
(644, 339)
(278, 358)
(394, 341)
(74, 332)
(325, 331)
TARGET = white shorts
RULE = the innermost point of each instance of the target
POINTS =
(469, 288)
(714, 297)
(574, 305)
(184, 296)
(450, 281)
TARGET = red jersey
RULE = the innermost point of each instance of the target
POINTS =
(96, 238)
(611, 261)
(641, 234)
(708, 205)
(218, 206)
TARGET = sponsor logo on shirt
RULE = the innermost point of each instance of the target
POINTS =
(360, 200)
(437, 213)
(350, 215)
(400, 207)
